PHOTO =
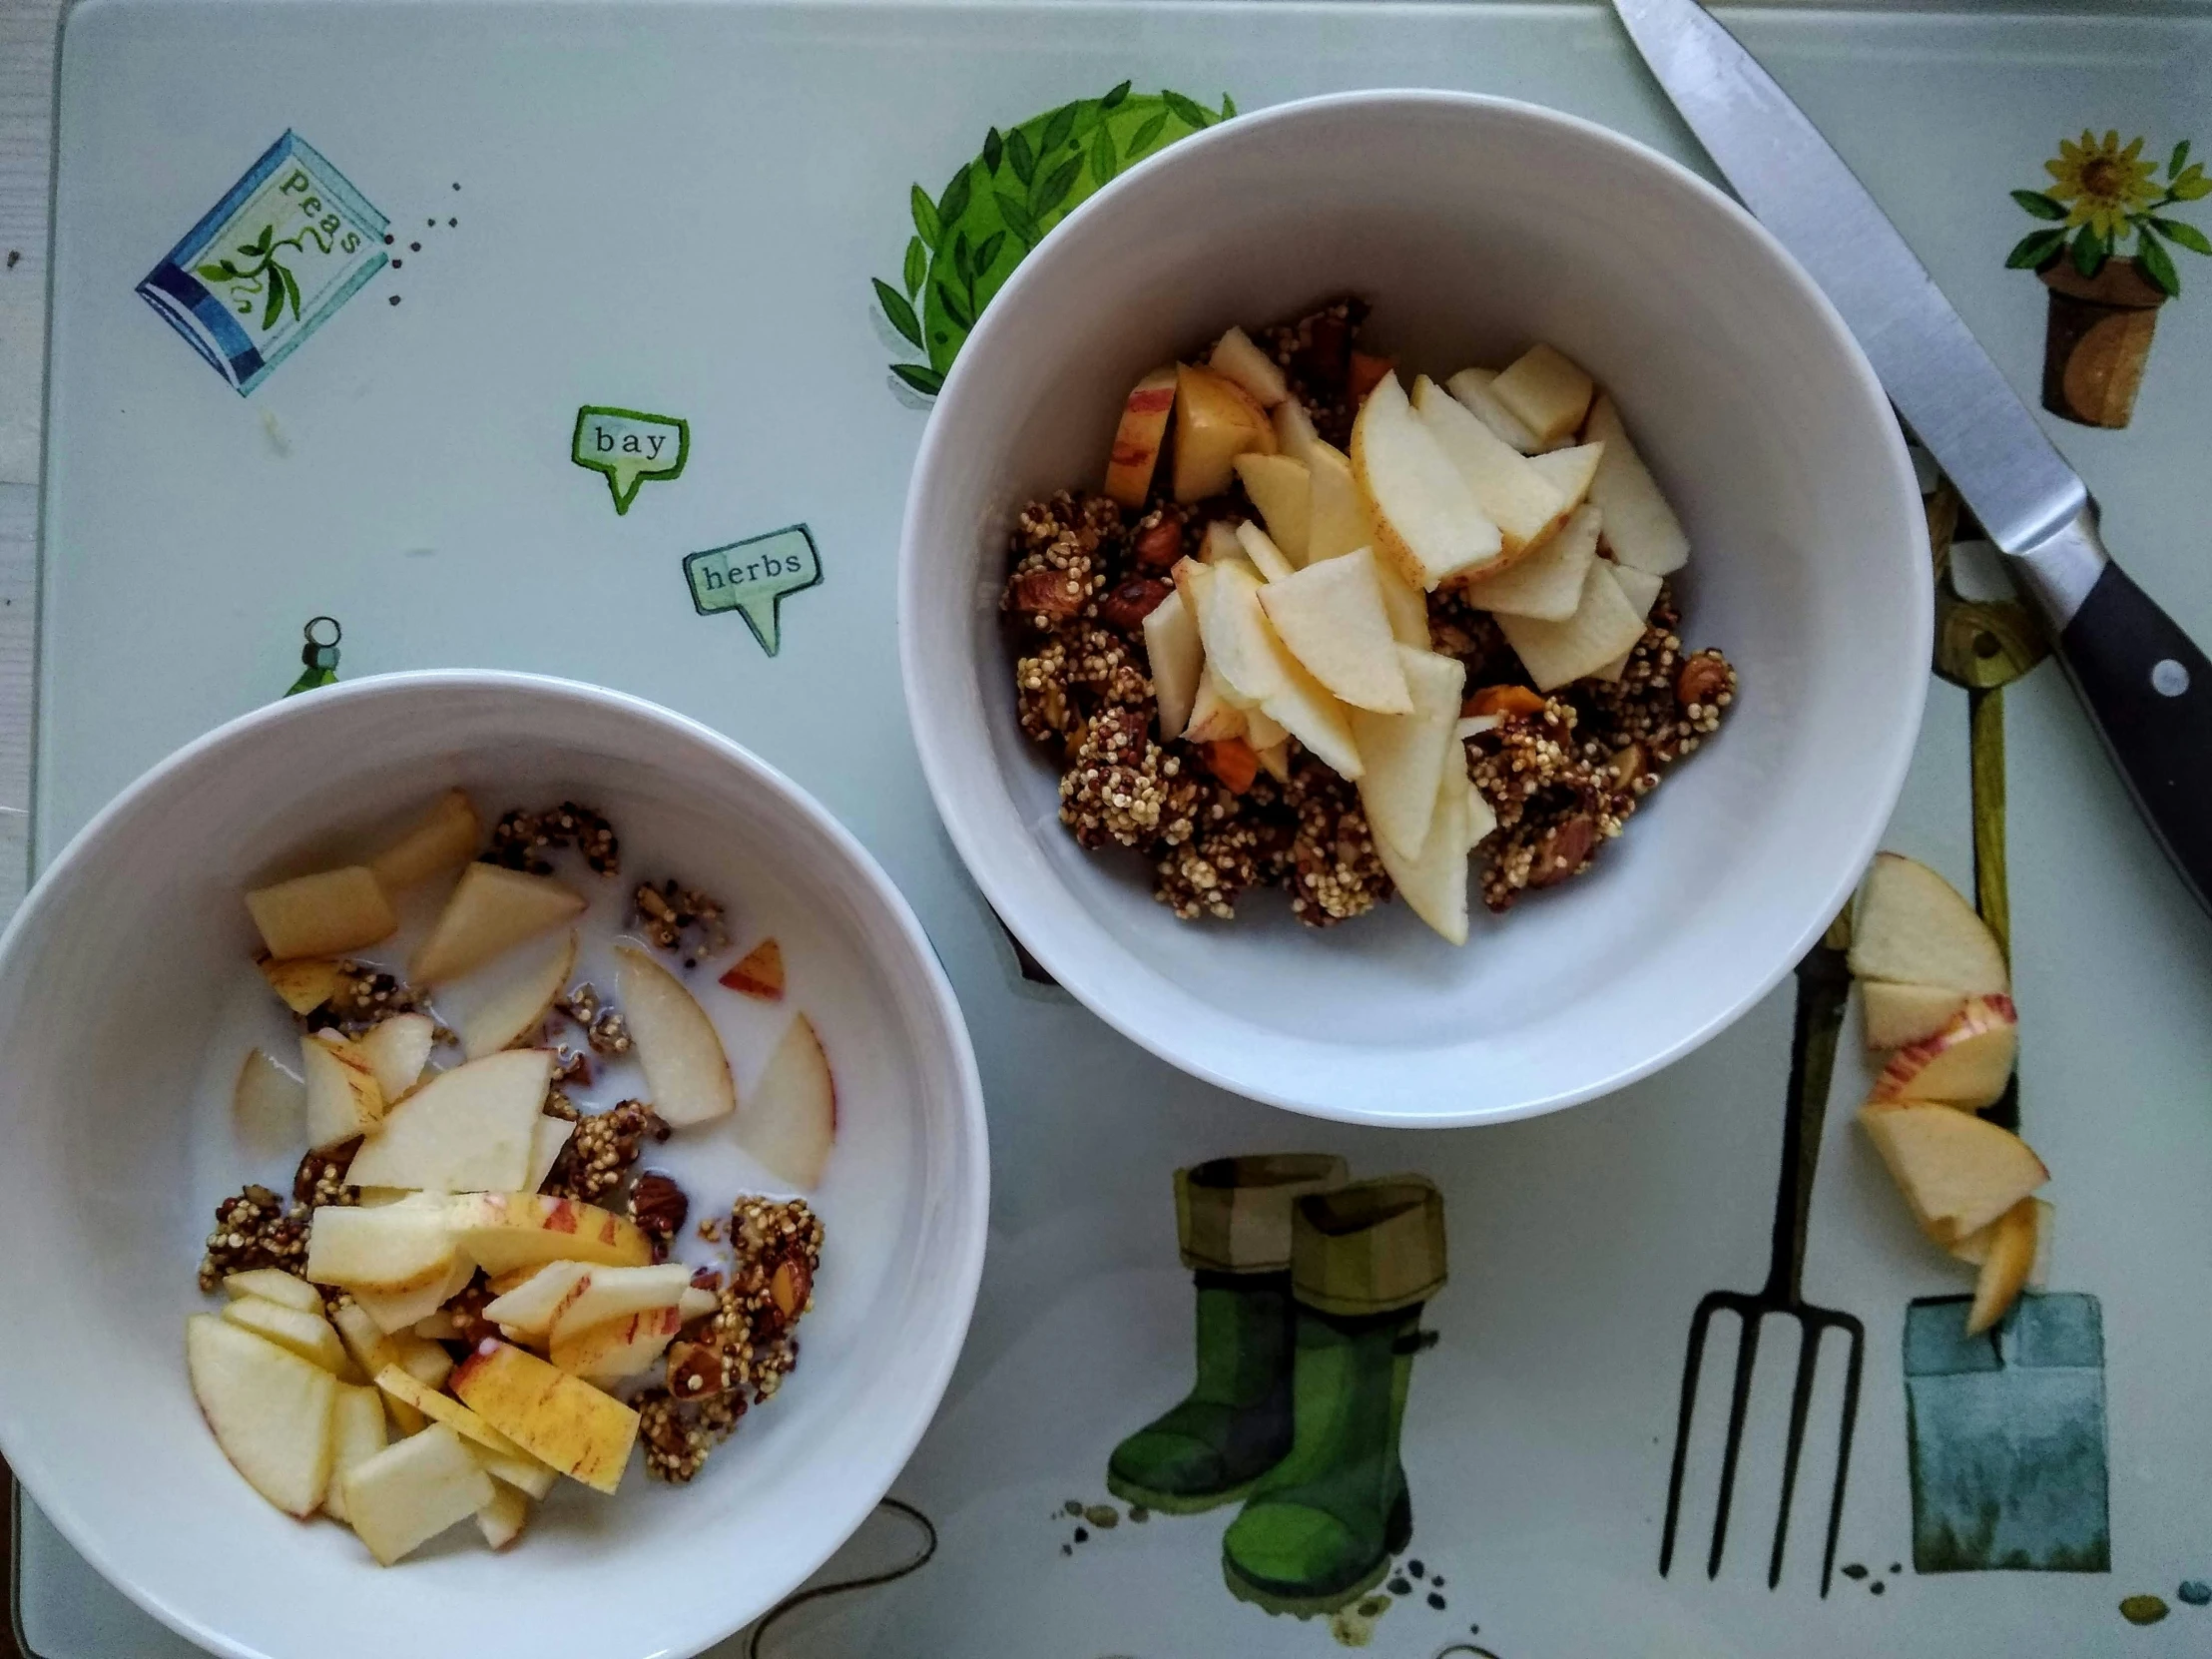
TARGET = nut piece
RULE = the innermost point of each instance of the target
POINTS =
(791, 1288)
(658, 1205)
(1159, 539)
(1564, 850)
(1504, 699)
(1129, 604)
(1704, 680)
(1048, 595)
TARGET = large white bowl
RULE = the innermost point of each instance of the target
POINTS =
(1475, 225)
(113, 1154)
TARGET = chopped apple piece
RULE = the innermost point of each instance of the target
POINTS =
(760, 972)
(268, 1106)
(1570, 472)
(2004, 1269)
(1282, 489)
(357, 1436)
(440, 1407)
(373, 1348)
(502, 1519)
(1310, 712)
(1214, 719)
(466, 1130)
(1603, 625)
(1240, 647)
(1914, 927)
(609, 1351)
(547, 1137)
(396, 1050)
(1234, 356)
(304, 985)
(1219, 545)
(1137, 440)
(445, 837)
(684, 1065)
(1407, 606)
(1406, 754)
(1330, 617)
(1426, 521)
(558, 1418)
(1974, 1248)
(1256, 544)
(1176, 660)
(269, 1410)
(274, 1285)
(1957, 1171)
(1293, 431)
(1471, 386)
(1216, 420)
(1524, 505)
(343, 1101)
(1435, 883)
(399, 1248)
(696, 1304)
(324, 914)
(514, 1469)
(410, 1492)
(1641, 590)
(405, 1310)
(1546, 583)
(492, 910)
(1546, 391)
(1640, 527)
(1897, 1014)
(1260, 729)
(1336, 521)
(1966, 1064)
(793, 1118)
(307, 1335)
(532, 1306)
(521, 1006)
(504, 1231)
(605, 1294)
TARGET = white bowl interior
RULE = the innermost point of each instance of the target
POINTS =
(118, 988)
(1475, 226)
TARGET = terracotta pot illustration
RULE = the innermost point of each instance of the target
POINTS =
(2097, 341)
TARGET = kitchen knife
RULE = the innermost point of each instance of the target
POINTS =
(2147, 687)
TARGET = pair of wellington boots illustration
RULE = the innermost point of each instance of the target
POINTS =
(1310, 1294)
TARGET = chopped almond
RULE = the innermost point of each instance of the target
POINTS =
(760, 973)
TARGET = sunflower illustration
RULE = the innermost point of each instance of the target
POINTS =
(2102, 194)
(2104, 181)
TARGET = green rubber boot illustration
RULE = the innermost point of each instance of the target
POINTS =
(318, 656)
(1321, 1526)
(1232, 1222)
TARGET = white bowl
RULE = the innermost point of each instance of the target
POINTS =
(114, 1146)
(1476, 226)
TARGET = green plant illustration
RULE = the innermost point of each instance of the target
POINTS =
(319, 657)
(2102, 193)
(968, 237)
(272, 281)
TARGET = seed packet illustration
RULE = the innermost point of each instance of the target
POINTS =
(268, 264)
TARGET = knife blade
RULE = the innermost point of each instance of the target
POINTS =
(2147, 686)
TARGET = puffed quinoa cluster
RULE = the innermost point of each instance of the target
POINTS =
(599, 1155)
(255, 1228)
(665, 914)
(520, 839)
(604, 1027)
(365, 998)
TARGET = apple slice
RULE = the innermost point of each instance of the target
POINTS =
(1899, 1014)
(1293, 431)
(357, 1436)
(405, 1310)
(324, 914)
(516, 1469)
(521, 1006)
(343, 1101)
(1175, 658)
(492, 910)
(304, 985)
(609, 1351)
(1641, 590)
(307, 1335)
(2004, 1269)
(1957, 1171)
(410, 1492)
(1640, 527)
(1406, 755)
(1914, 927)
(1216, 420)
(502, 1519)
(1268, 560)
(274, 1285)
(1329, 617)
(1435, 883)
(373, 1349)
(1603, 625)
(793, 1118)
(1282, 489)
(1240, 647)
(696, 1304)
(1336, 519)
(1974, 1248)
(268, 1106)
(1571, 472)
(1262, 731)
(440, 1407)
(530, 1308)
(760, 972)
(1310, 712)
(445, 837)
(466, 1130)
(1137, 439)
(1426, 521)
(547, 1137)
(504, 1231)
(1546, 391)
(1524, 505)
(605, 1294)
(1471, 386)
(558, 1418)
(1545, 584)
(1214, 719)
(1219, 545)
(1406, 604)
(684, 1065)
(396, 1050)
(1966, 1064)
(269, 1410)
(396, 1249)
(1234, 356)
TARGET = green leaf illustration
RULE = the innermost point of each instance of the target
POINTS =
(1057, 128)
(963, 261)
(918, 267)
(953, 202)
(216, 272)
(1018, 220)
(927, 381)
(901, 314)
(1020, 157)
(2089, 252)
(291, 289)
(926, 223)
(2042, 206)
(1141, 143)
(994, 148)
(2178, 161)
(1053, 188)
(274, 308)
(954, 307)
(2192, 186)
(2187, 235)
(1112, 101)
(2154, 261)
(988, 253)
(1192, 115)
(1227, 105)
(1103, 159)
(2034, 249)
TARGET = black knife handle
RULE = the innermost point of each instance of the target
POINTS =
(2149, 691)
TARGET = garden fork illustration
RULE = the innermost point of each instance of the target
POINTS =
(1823, 986)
